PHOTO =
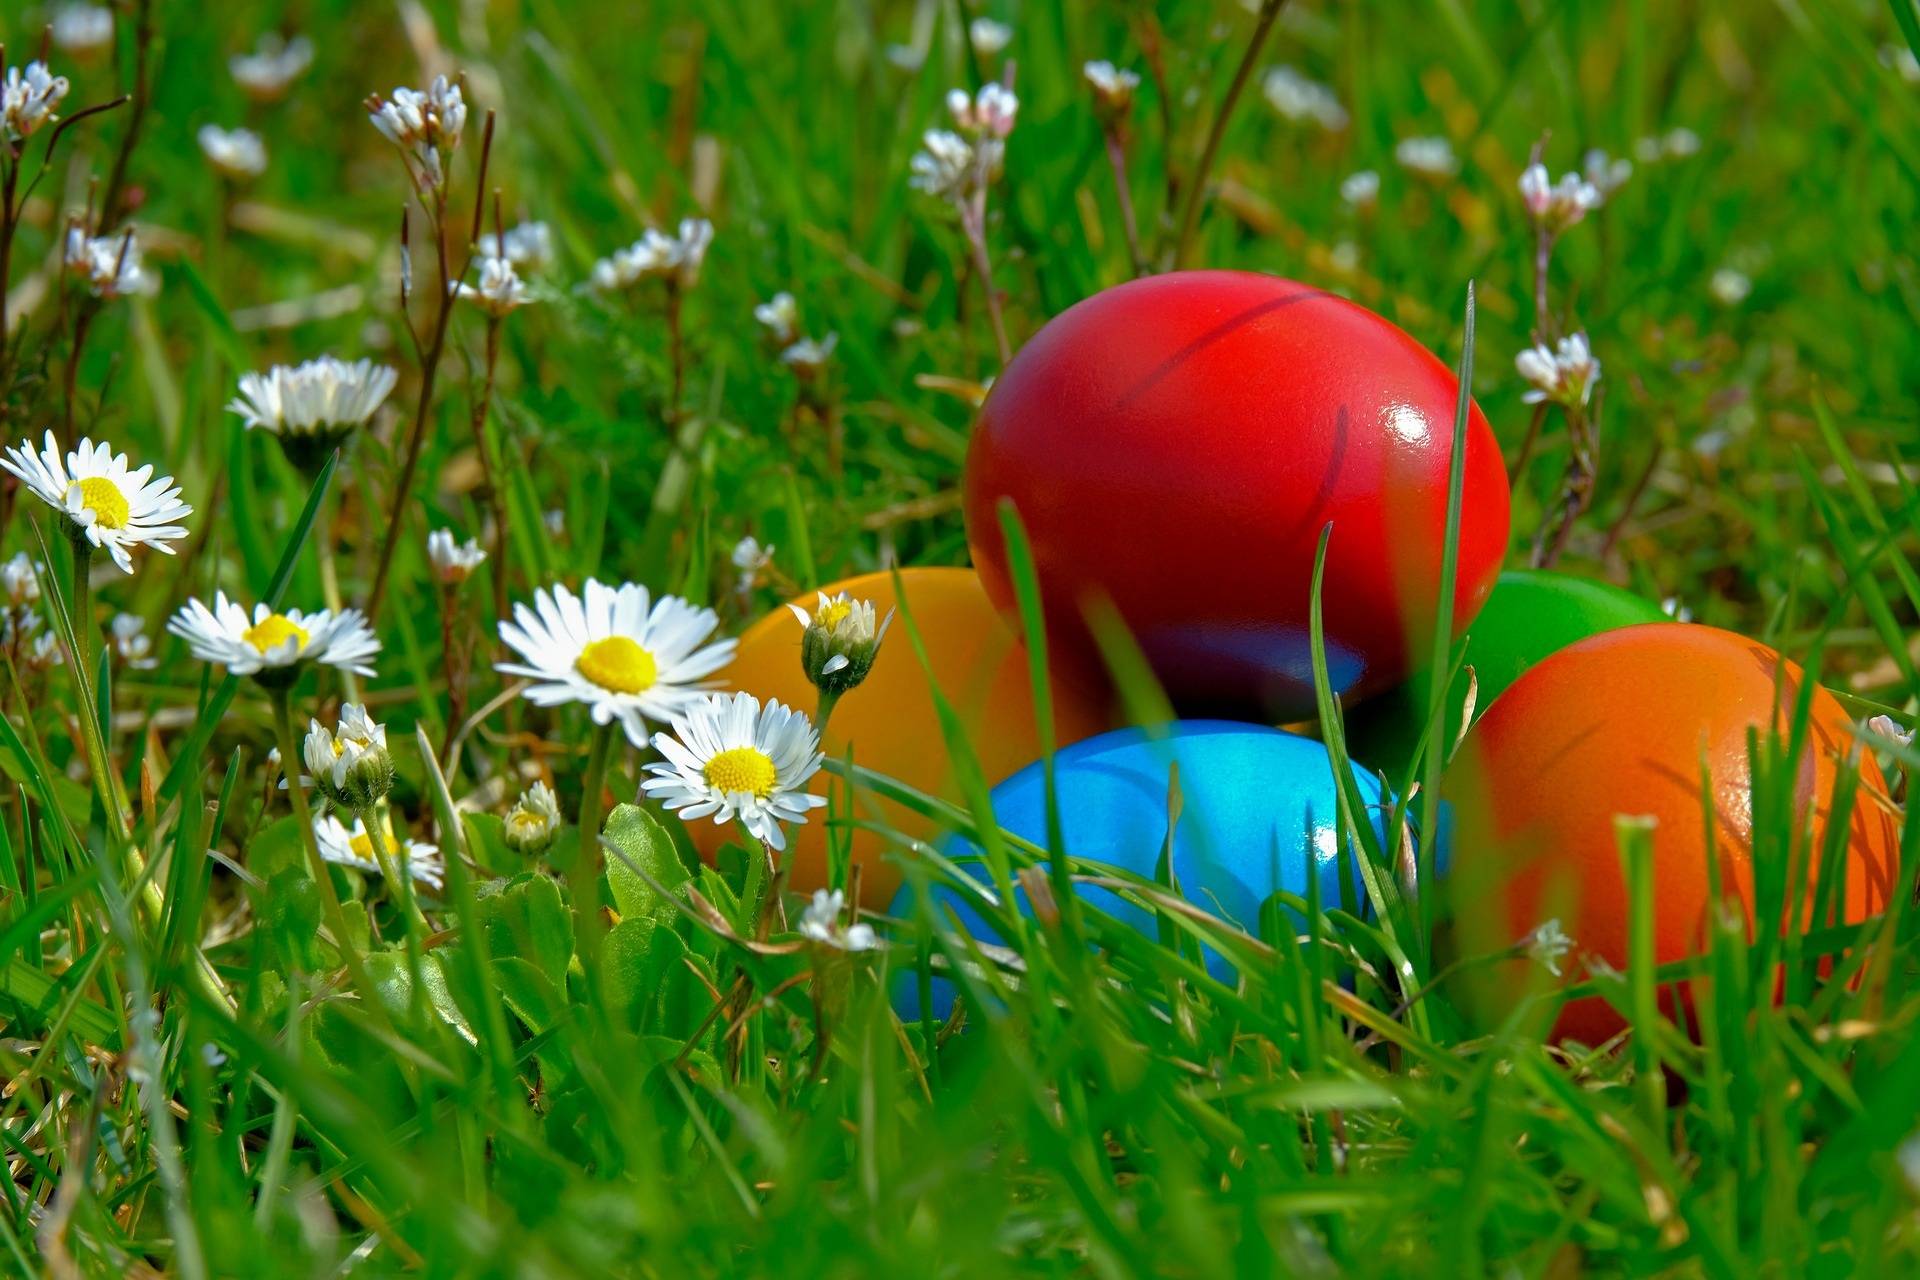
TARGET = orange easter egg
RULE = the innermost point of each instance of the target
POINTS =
(889, 721)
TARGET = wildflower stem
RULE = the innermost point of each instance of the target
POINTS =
(83, 614)
(1197, 184)
(1117, 157)
(330, 580)
(82, 323)
(399, 875)
(282, 697)
(676, 359)
(584, 880)
(973, 223)
(1542, 260)
(492, 476)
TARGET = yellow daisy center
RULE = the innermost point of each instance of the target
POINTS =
(361, 843)
(833, 613)
(273, 631)
(740, 769)
(520, 819)
(103, 497)
(619, 664)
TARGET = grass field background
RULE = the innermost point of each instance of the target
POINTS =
(1752, 291)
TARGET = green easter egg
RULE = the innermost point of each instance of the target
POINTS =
(1530, 614)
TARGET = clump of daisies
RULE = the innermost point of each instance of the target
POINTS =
(729, 757)
(269, 71)
(838, 643)
(673, 259)
(623, 655)
(237, 155)
(106, 505)
(311, 408)
(533, 821)
(110, 266)
(349, 765)
(30, 97)
(271, 646)
(425, 124)
(1301, 99)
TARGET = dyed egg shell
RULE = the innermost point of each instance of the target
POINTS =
(1530, 614)
(1177, 443)
(1257, 816)
(889, 720)
(1618, 724)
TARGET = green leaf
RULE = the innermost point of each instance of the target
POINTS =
(533, 998)
(526, 920)
(639, 841)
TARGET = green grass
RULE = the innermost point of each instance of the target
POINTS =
(680, 1098)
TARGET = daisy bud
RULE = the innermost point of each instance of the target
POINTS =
(453, 562)
(820, 923)
(350, 767)
(840, 642)
(533, 821)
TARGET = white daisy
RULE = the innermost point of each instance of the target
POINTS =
(500, 289)
(234, 153)
(729, 757)
(111, 265)
(820, 922)
(274, 64)
(265, 642)
(621, 654)
(453, 562)
(113, 508)
(313, 406)
(351, 847)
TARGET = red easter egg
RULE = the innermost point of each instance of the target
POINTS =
(1620, 724)
(1177, 443)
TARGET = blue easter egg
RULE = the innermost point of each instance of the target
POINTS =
(1258, 816)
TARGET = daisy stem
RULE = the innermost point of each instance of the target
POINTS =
(828, 701)
(584, 880)
(83, 610)
(330, 582)
(399, 877)
(330, 909)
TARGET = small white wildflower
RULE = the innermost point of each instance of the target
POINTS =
(820, 923)
(1344, 257)
(989, 113)
(944, 166)
(424, 123)
(729, 757)
(44, 652)
(1547, 945)
(988, 37)
(111, 265)
(1606, 173)
(1431, 156)
(657, 256)
(781, 316)
(751, 561)
(1563, 374)
(273, 66)
(809, 356)
(1886, 727)
(1676, 609)
(1301, 99)
(1113, 88)
(82, 29)
(131, 643)
(1901, 59)
(19, 580)
(1681, 142)
(453, 562)
(1362, 189)
(500, 291)
(528, 245)
(29, 97)
(1556, 206)
(1729, 287)
(234, 153)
